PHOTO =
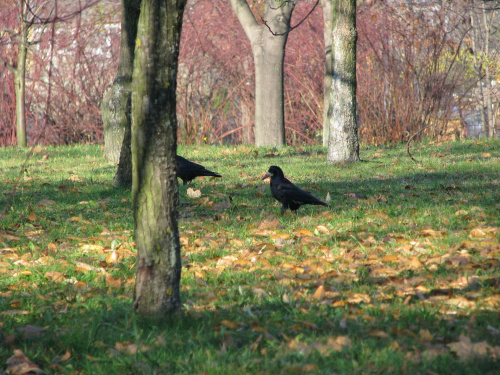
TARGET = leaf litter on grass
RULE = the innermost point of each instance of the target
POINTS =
(289, 288)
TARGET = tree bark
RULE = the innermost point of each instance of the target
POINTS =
(269, 53)
(343, 145)
(20, 86)
(328, 13)
(116, 104)
(487, 21)
(154, 135)
(478, 67)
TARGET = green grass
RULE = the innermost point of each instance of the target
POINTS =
(408, 255)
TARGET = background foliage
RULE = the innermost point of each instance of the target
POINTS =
(415, 69)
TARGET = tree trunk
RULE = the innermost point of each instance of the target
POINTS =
(154, 134)
(20, 86)
(487, 75)
(328, 13)
(246, 120)
(116, 104)
(343, 145)
(269, 54)
(478, 67)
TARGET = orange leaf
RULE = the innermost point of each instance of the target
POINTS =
(113, 283)
(303, 232)
(55, 276)
(228, 324)
(319, 294)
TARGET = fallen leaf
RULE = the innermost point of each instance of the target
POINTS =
(319, 294)
(20, 364)
(113, 282)
(46, 202)
(356, 298)
(191, 193)
(228, 324)
(56, 276)
(465, 349)
(426, 335)
(269, 224)
(303, 233)
(112, 257)
(379, 334)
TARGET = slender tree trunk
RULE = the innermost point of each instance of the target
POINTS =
(269, 54)
(20, 86)
(116, 104)
(487, 74)
(328, 13)
(478, 67)
(154, 135)
(343, 145)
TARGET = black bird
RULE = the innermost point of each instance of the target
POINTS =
(187, 170)
(289, 195)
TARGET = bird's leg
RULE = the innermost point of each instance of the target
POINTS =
(283, 208)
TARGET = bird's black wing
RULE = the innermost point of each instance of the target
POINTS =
(187, 170)
(294, 195)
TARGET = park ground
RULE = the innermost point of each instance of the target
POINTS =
(399, 275)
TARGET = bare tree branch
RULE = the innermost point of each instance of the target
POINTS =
(291, 27)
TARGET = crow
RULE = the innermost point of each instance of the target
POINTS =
(187, 170)
(289, 195)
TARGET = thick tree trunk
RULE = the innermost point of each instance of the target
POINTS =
(328, 13)
(154, 133)
(20, 88)
(343, 145)
(115, 107)
(269, 54)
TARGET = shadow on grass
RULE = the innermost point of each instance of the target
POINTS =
(248, 334)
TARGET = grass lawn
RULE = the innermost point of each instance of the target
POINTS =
(400, 275)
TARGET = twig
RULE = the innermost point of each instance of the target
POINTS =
(290, 27)
(411, 138)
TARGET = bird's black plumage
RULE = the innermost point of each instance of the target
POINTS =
(289, 195)
(187, 170)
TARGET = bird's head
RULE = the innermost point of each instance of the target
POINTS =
(273, 171)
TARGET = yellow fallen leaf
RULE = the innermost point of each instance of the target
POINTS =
(384, 271)
(92, 248)
(426, 335)
(113, 282)
(356, 298)
(478, 233)
(390, 258)
(319, 294)
(303, 232)
(112, 257)
(414, 264)
(262, 233)
(56, 276)
(322, 229)
(228, 324)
